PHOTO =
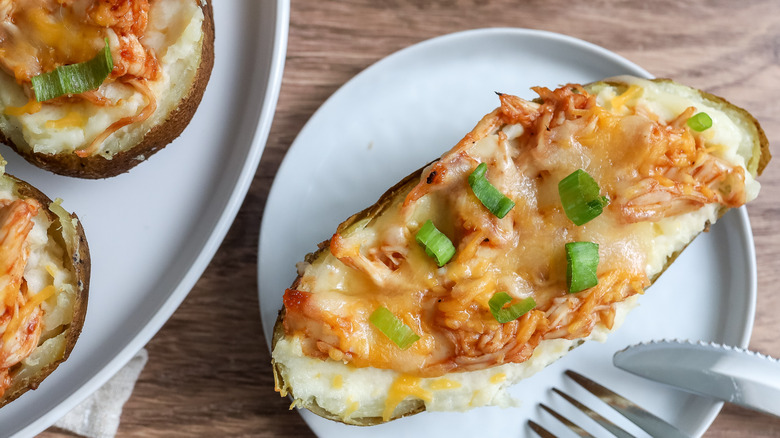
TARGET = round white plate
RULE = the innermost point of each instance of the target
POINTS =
(408, 109)
(153, 230)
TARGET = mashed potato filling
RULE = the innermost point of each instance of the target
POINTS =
(373, 392)
(666, 183)
(44, 272)
(173, 35)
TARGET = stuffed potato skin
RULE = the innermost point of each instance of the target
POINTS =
(280, 369)
(169, 127)
(57, 342)
(756, 159)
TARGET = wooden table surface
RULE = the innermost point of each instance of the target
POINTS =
(208, 372)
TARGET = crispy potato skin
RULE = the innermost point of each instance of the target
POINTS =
(81, 266)
(278, 369)
(97, 166)
(762, 156)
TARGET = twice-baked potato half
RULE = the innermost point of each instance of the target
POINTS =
(160, 60)
(45, 263)
(537, 231)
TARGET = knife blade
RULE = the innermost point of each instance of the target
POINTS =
(731, 374)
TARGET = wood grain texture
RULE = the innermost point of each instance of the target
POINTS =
(208, 372)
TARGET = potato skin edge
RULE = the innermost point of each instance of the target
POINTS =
(387, 198)
(278, 333)
(97, 166)
(82, 267)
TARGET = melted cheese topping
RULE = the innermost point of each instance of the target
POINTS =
(368, 389)
(442, 383)
(666, 184)
(162, 50)
(404, 387)
(43, 302)
(36, 36)
(652, 169)
(72, 118)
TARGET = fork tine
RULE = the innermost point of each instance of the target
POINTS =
(576, 429)
(542, 432)
(645, 420)
(606, 424)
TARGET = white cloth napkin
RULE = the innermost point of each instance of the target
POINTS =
(98, 416)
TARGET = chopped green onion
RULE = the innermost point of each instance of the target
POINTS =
(511, 313)
(488, 194)
(700, 122)
(74, 78)
(436, 244)
(580, 197)
(393, 328)
(582, 260)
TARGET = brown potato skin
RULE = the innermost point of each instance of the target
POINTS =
(384, 202)
(386, 199)
(81, 265)
(763, 156)
(97, 166)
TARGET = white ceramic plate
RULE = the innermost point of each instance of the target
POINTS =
(153, 230)
(408, 109)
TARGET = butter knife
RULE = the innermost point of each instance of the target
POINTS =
(731, 374)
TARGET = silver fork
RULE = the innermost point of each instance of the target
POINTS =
(646, 421)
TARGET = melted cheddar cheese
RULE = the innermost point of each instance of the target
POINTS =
(37, 291)
(155, 46)
(37, 36)
(666, 183)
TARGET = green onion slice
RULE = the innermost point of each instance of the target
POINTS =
(510, 313)
(436, 244)
(393, 328)
(488, 194)
(582, 260)
(700, 122)
(580, 197)
(74, 78)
